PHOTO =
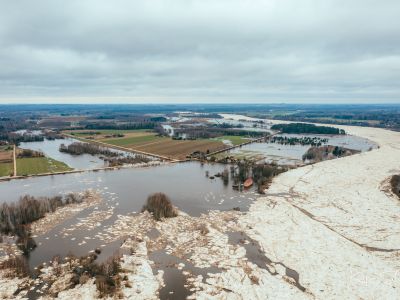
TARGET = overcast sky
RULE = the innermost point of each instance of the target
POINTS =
(200, 51)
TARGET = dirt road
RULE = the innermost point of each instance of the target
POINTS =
(15, 161)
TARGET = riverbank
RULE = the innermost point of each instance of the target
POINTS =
(140, 165)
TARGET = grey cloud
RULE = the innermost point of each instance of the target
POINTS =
(224, 50)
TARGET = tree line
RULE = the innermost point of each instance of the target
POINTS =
(28, 209)
(15, 218)
(127, 126)
(306, 128)
(78, 148)
(284, 140)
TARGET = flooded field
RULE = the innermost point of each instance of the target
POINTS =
(107, 224)
(292, 154)
(245, 124)
(123, 192)
(51, 149)
(79, 162)
(346, 141)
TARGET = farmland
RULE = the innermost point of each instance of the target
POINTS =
(6, 165)
(150, 142)
(6, 169)
(133, 140)
(164, 146)
(107, 133)
(39, 165)
(5, 156)
(179, 149)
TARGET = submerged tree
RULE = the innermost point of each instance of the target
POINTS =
(160, 206)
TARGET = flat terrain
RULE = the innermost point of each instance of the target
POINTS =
(6, 155)
(148, 142)
(6, 158)
(6, 169)
(133, 139)
(107, 134)
(38, 165)
(165, 146)
(235, 140)
(179, 149)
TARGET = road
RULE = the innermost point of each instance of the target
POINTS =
(15, 160)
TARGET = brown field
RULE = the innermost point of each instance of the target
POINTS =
(6, 156)
(94, 134)
(178, 149)
(148, 141)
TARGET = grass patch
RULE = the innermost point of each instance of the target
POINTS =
(132, 140)
(39, 165)
(6, 169)
(235, 140)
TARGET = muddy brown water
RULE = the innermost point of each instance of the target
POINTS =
(174, 279)
(292, 154)
(125, 191)
(256, 256)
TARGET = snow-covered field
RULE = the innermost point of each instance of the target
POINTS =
(335, 222)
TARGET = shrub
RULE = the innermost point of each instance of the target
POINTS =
(26, 243)
(17, 264)
(29, 153)
(160, 206)
(203, 229)
(106, 274)
(395, 183)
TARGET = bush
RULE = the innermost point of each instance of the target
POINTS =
(106, 274)
(17, 264)
(29, 153)
(160, 206)
(26, 243)
(395, 183)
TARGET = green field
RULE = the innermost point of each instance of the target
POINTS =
(39, 165)
(131, 140)
(6, 169)
(88, 132)
(235, 140)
